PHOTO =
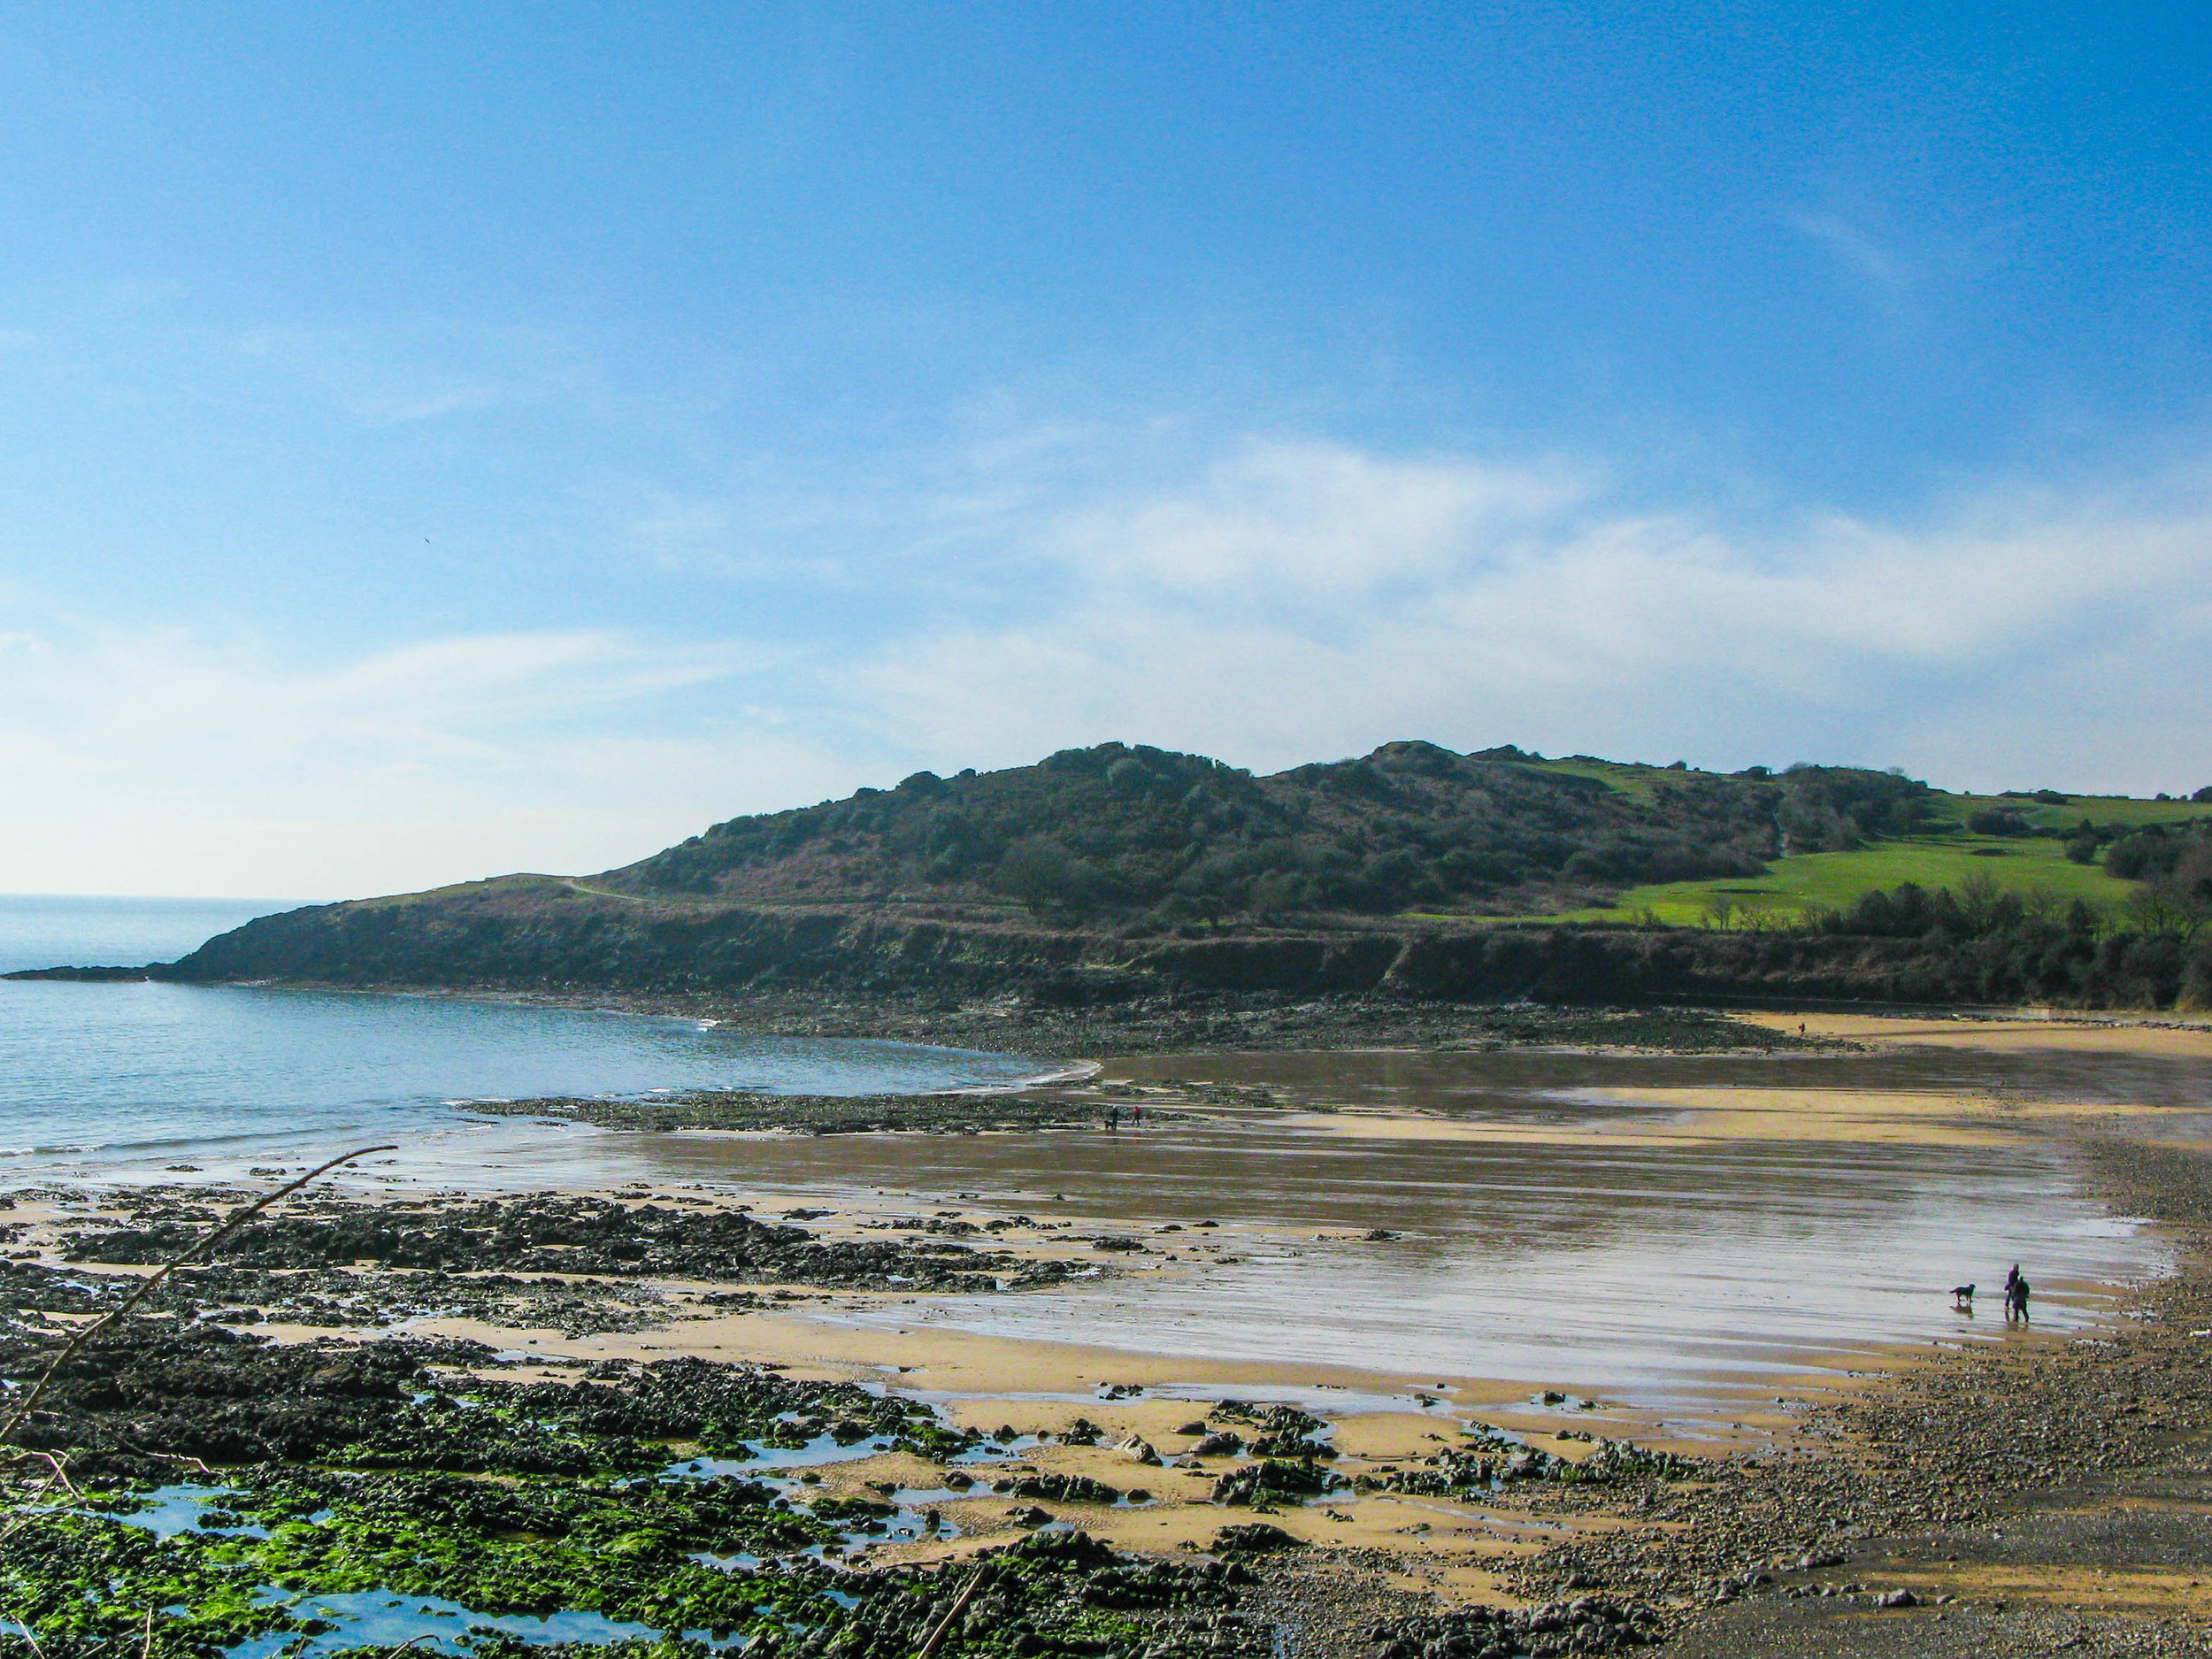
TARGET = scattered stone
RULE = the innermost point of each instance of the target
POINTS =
(1255, 1535)
(1140, 1449)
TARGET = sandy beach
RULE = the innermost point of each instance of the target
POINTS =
(1155, 1327)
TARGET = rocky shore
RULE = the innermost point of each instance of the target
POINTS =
(1240, 1024)
(1029, 1109)
(188, 1477)
(1204, 1021)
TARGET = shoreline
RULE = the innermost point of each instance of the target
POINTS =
(1678, 1547)
(1196, 1021)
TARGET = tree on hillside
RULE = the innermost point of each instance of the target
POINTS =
(1043, 874)
(2176, 899)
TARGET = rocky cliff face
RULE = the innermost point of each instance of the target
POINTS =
(535, 934)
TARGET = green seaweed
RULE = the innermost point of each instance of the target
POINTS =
(412, 1467)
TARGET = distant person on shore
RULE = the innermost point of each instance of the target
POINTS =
(1113, 1119)
(2020, 1298)
(2012, 1292)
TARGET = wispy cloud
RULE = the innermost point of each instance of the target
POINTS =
(157, 761)
(1275, 599)
(1305, 598)
(1857, 251)
(401, 378)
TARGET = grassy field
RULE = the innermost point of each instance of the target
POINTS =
(1621, 777)
(1790, 886)
(1793, 885)
(2098, 808)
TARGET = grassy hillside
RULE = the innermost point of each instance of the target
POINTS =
(1141, 838)
(2034, 866)
(1792, 886)
(1131, 876)
(1137, 835)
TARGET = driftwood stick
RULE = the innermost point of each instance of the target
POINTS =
(959, 1606)
(54, 1464)
(167, 1457)
(22, 1412)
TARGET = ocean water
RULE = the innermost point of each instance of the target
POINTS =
(43, 931)
(104, 1076)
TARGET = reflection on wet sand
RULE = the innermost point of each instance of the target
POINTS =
(2113, 1074)
(1566, 1247)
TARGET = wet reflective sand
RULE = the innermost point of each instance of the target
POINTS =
(1522, 1080)
(1566, 1247)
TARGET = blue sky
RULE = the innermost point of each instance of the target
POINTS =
(437, 441)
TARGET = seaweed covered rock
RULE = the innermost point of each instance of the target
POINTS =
(1587, 1624)
(1059, 1488)
(163, 1388)
(554, 1233)
(1493, 1460)
(1255, 1535)
(1257, 1483)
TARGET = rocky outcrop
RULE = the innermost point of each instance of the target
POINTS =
(542, 934)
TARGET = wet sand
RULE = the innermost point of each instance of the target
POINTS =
(1677, 1238)
(1668, 1243)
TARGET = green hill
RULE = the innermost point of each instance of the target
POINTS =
(1141, 838)
(1130, 875)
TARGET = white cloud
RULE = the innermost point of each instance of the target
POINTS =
(160, 762)
(1311, 521)
(1282, 601)
(1857, 250)
(1298, 601)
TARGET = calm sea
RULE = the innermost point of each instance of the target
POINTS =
(102, 1076)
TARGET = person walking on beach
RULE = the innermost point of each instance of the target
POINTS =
(2012, 1293)
(1113, 1119)
(2020, 1298)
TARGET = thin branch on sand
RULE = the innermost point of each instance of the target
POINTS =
(51, 1462)
(959, 1606)
(22, 1412)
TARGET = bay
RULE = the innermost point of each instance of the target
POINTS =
(98, 1075)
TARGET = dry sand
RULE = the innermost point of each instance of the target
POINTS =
(2169, 1036)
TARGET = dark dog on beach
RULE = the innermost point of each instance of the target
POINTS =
(1963, 1296)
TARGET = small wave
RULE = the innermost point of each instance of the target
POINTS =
(197, 1145)
(55, 1151)
(1076, 1071)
